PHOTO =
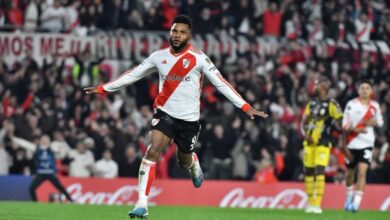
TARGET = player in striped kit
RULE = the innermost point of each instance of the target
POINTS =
(361, 115)
(181, 69)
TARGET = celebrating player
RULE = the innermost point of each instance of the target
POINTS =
(317, 123)
(361, 115)
(181, 68)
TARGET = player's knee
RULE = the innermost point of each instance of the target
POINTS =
(320, 170)
(309, 171)
(153, 153)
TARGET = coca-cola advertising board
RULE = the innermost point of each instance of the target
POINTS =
(123, 191)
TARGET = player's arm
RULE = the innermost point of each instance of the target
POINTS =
(214, 76)
(377, 120)
(130, 76)
(304, 124)
(24, 143)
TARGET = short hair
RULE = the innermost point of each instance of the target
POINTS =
(324, 79)
(365, 81)
(183, 19)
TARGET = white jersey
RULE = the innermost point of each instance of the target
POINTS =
(180, 83)
(355, 115)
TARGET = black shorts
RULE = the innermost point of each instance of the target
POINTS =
(184, 133)
(359, 156)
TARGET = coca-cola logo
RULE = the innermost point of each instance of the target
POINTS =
(125, 195)
(288, 198)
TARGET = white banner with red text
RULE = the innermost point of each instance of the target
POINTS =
(123, 191)
(135, 46)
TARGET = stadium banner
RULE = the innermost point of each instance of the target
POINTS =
(15, 188)
(122, 191)
(137, 45)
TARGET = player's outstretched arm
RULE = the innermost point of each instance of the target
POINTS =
(252, 113)
(130, 76)
(212, 73)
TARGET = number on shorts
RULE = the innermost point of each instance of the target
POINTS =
(367, 154)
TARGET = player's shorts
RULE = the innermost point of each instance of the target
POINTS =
(359, 156)
(184, 133)
(315, 155)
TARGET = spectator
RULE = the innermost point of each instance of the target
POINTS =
(15, 15)
(363, 28)
(32, 15)
(54, 17)
(106, 167)
(129, 165)
(82, 161)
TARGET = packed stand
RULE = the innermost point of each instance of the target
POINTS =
(106, 135)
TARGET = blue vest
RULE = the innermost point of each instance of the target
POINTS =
(45, 162)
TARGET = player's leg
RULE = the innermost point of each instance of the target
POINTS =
(362, 168)
(36, 182)
(56, 182)
(187, 139)
(308, 162)
(147, 172)
(349, 181)
(322, 154)
(190, 162)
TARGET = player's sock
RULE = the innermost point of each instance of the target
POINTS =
(319, 189)
(195, 167)
(147, 172)
(196, 171)
(349, 198)
(309, 188)
(357, 199)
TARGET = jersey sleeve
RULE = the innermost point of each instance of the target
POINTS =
(347, 121)
(335, 110)
(145, 68)
(378, 115)
(306, 115)
(215, 77)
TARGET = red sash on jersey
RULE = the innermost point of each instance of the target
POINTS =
(369, 114)
(180, 69)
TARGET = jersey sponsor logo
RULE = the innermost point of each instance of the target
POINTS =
(155, 121)
(186, 63)
(164, 62)
(175, 77)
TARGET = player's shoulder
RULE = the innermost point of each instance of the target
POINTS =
(196, 50)
(375, 103)
(162, 51)
(353, 101)
(334, 102)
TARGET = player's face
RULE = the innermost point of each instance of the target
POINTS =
(179, 36)
(321, 87)
(365, 91)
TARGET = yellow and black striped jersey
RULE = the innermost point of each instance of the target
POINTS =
(319, 117)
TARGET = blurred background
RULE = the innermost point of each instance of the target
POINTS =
(271, 51)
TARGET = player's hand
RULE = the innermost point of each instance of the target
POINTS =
(358, 130)
(91, 90)
(253, 112)
(371, 122)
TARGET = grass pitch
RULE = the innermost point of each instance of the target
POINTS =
(45, 211)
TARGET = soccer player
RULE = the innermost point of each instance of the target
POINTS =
(319, 115)
(361, 115)
(45, 164)
(181, 69)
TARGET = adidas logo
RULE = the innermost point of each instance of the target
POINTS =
(164, 62)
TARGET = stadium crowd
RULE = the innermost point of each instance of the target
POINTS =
(106, 135)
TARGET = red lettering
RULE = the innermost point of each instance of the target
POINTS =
(46, 46)
(16, 45)
(59, 46)
(4, 45)
(28, 42)
(75, 47)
